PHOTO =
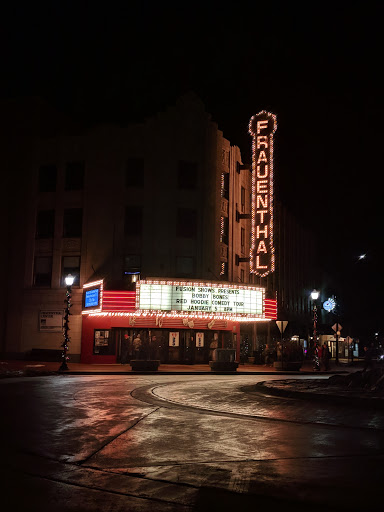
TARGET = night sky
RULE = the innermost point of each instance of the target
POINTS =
(317, 68)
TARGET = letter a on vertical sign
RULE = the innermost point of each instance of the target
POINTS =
(262, 126)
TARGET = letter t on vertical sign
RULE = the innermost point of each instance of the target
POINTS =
(262, 126)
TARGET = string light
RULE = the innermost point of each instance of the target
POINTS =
(175, 315)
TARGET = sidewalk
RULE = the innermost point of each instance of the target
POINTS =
(34, 368)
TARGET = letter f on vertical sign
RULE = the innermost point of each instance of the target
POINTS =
(262, 126)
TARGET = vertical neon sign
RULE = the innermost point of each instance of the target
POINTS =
(262, 126)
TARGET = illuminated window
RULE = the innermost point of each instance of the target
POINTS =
(42, 272)
(134, 172)
(133, 221)
(47, 178)
(70, 265)
(186, 223)
(187, 175)
(45, 224)
(74, 176)
(72, 222)
(131, 269)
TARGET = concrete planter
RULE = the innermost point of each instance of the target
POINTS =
(223, 366)
(150, 365)
(293, 366)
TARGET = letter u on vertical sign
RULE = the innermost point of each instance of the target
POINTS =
(262, 127)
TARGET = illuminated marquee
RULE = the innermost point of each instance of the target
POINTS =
(194, 298)
(262, 126)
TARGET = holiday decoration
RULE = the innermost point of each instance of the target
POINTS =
(68, 295)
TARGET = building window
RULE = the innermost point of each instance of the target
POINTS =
(242, 240)
(47, 178)
(70, 265)
(132, 262)
(225, 185)
(45, 224)
(133, 221)
(242, 275)
(42, 273)
(242, 200)
(184, 266)
(72, 222)
(224, 230)
(131, 269)
(187, 175)
(186, 223)
(134, 172)
(74, 176)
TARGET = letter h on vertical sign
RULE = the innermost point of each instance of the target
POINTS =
(262, 126)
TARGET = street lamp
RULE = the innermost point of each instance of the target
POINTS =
(314, 296)
(68, 294)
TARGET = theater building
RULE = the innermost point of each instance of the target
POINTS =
(167, 197)
(118, 204)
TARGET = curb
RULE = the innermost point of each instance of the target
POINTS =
(179, 372)
(368, 401)
(46, 372)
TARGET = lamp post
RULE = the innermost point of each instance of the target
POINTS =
(68, 294)
(314, 296)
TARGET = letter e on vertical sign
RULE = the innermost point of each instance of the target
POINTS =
(262, 126)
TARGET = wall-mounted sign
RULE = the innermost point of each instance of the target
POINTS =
(51, 321)
(92, 297)
(104, 343)
(199, 339)
(173, 339)
(101, 338)
(209, 298)
(262, 126)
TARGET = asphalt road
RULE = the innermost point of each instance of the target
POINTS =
(182, 442)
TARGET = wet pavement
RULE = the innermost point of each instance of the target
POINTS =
(183, 442)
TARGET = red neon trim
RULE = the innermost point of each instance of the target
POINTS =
(270, 309)
(124, 301)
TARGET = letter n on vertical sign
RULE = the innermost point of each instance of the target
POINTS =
(262, 126)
